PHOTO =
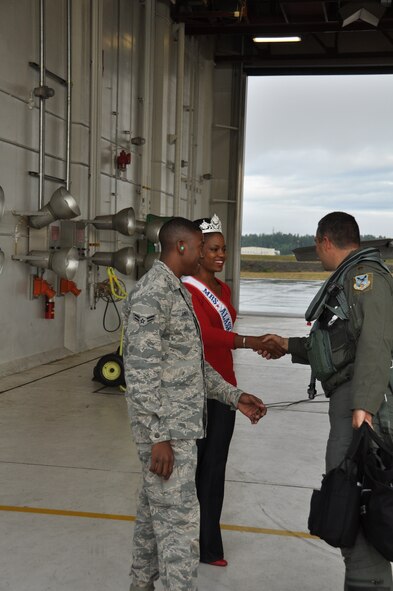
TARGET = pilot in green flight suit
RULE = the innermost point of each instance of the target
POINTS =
(354, 310)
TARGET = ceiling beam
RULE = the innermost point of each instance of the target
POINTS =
(265, 28)
(366, 58)
(284, 13)
(319, 70)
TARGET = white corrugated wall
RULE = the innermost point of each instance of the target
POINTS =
(125, 80)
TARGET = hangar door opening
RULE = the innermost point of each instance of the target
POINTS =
(314, 144)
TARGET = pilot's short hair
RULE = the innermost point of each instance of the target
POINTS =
(341, 228)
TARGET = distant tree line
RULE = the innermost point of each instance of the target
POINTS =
(285, 243)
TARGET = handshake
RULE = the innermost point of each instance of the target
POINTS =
(269, 346)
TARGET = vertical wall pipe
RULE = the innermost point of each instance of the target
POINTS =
(117, 102)
(148, 49)
(72, 309)
(195, 132)
(95, 106)
(179, 119)
(190, 180)
(69, 106)
(95, 127)
(241, 92)
(41, 153)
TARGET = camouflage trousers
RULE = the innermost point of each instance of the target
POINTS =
(365, 568)
(166, 543)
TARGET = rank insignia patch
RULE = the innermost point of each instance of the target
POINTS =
(143, 320)
(363, 282)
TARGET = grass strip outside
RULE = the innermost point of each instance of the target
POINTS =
(287, 276)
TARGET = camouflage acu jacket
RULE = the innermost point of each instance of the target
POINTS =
(166, 375)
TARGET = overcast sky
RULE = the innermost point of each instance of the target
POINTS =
(316, 144)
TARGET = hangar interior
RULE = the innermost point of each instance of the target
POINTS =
(113, 102)
(136, 104)
(137, 108)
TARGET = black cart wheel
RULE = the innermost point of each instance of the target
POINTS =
(109, 370)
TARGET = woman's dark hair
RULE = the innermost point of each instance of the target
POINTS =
(197, 223)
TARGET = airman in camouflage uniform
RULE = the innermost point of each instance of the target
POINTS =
(167, 384)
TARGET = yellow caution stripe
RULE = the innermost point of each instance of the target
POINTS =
(65, 513)
(90, 515)
(268, 531)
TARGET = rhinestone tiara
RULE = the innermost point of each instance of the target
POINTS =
(213, 226)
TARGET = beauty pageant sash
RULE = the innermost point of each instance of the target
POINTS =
(213, 300)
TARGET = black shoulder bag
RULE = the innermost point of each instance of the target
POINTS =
(377, 494)
(335, 508)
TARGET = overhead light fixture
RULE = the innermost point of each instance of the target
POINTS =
(361, 15)
(288, 39)
(61, 206)
(123, 221)
(153, 227)
(124, 260)
(367, 12)
(64, 262)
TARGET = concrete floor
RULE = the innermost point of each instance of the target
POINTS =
(69, 478)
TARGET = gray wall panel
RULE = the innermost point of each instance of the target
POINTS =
(133, 94)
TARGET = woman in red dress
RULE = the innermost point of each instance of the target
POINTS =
(211, 299)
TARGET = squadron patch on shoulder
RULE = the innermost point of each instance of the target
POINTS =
(363, 282)
(143, 320)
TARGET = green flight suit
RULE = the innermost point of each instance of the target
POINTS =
(365, 341)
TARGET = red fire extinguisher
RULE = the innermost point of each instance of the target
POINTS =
(49, 308)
